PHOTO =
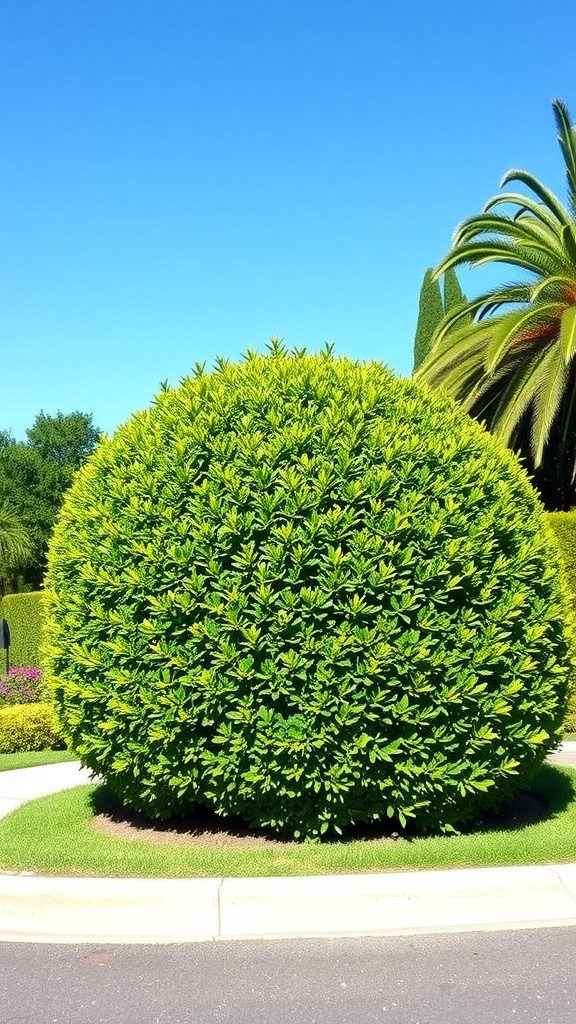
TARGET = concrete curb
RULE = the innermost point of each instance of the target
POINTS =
(115, 910)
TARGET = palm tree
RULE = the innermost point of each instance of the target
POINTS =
(15, 545)
(509, 355)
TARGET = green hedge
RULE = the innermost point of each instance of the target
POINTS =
(23, 614)
(25, 727)
(564, 529)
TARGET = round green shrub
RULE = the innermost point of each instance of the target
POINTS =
(305, 592)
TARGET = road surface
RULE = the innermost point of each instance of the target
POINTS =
(516, 977)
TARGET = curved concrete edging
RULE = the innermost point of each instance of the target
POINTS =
(113, 910)
(132, 910)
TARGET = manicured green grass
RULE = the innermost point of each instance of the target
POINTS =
(33, 758)
(55, 836)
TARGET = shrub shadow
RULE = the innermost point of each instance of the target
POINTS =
(549, 794)
(200, 825)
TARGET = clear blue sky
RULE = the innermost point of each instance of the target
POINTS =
(185, 178)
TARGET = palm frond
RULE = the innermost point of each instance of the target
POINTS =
(453, 348)
(567, 335)
(535, 259)
(526, 207)
(569, 240)
(544, 194)
(514, 293)
(551, 382)
(509, 329)
(528, 230)
(15, 544)
(478, 386)
(567, 140)
(517, 396)
(561, 286)
(568, 423)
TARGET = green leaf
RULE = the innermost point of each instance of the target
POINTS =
(567, 336)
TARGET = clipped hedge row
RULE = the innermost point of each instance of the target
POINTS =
(23, 613)
(25, 727)
(563, 526)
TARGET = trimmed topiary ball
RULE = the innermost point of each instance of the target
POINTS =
(305, 592)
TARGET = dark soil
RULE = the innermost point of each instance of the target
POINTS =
(203, 828)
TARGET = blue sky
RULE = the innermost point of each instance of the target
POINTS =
(181, 179)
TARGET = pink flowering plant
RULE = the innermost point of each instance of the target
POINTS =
(20, 685)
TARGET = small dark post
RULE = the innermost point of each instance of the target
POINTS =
(5, 641)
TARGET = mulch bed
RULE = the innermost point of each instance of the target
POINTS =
(202, 828)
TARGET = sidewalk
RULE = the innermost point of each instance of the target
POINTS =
(114, 910)
(22, 784)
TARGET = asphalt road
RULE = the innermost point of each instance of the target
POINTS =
(472, 978)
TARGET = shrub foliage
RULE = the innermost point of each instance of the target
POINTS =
(303, 591)
(23, 613)
(25, 727)
(563, 526)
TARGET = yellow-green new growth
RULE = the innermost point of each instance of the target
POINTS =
(304, 592)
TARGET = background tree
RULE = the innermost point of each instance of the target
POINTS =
(432, 309)
(15, 546)
(36, 473)
(512, 364)
(63, 440)
(453, 295)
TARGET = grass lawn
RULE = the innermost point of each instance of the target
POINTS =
(34, 758)
(55, 836)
